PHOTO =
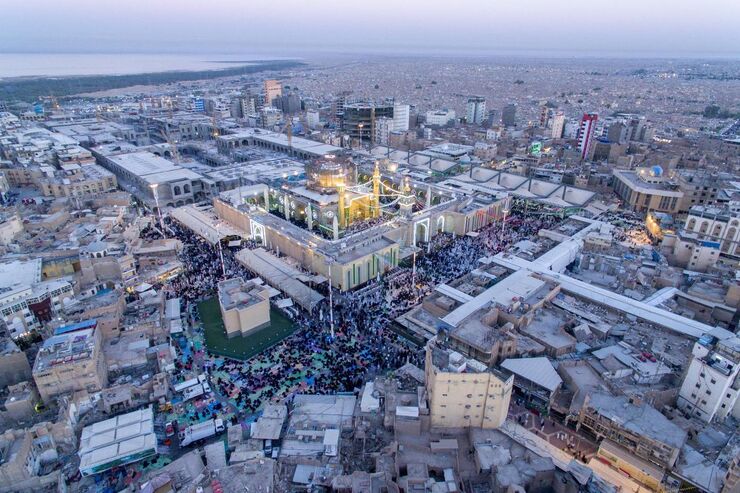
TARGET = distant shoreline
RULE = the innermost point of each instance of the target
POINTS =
(30, 88)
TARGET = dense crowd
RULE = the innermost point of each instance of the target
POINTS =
(317, 359)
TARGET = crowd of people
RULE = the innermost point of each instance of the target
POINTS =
(337, 348)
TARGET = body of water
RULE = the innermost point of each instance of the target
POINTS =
(72, 64)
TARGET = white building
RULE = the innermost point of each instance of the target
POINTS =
(708, 391)
(401, 114)
(440, 117)
(716, 224)
(312, 119)
(476, 110)
(382, 129)
(558, 125)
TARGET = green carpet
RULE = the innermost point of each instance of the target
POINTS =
(241, 347)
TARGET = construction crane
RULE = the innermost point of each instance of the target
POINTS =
(288, 129)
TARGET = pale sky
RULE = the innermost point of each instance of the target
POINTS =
(286, 27)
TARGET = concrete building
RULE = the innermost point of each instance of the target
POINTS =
(155, 180)
(383, 128)
(439, 118)
(313, 119)
(245, 306)
(401, 116)
(647, 189)
(689, 251)
(636, 426)
(73, 180)
(14, 366)
(358, 119)
(709, 390)
(25, 300)
(586, 133)
(273, 89)
(720, 225)
(70, 362)
(27, 459)
(463, 392)
(558, 125)
(508, 115)
(10, 226)
(475, 110)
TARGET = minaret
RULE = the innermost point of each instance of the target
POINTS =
(309, 217)
(341, 211)
(376, 190)
(335, 227)
(267, 199)
(286, 205)
(406, 204)
(429, 196)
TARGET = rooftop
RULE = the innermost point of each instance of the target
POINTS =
(641, 419)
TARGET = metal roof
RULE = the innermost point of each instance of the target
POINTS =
(536, 370)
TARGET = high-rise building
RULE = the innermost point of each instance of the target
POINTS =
(383, 128)
(400, 117)
(476, 110)
(508, 115)
(586, 133)
(358, 119)
(313, 119)
(273, 89)
(288, 103)
(558, 125)
(708, 390)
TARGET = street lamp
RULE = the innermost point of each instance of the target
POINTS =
(154, 187)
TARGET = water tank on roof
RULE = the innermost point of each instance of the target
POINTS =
(656, 171)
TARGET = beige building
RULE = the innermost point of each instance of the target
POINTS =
(14, 366)
(273, 89)
(463, 392)
(245, 306)
(647, 189)
(719, 225)
(637, 427)
(74, 180)
(10, 226)
(70, 362)
(688, 251)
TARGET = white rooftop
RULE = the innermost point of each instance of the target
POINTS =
(537, 370)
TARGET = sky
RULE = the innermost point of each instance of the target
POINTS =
(295, 27)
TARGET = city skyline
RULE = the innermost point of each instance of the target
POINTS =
(681, 29)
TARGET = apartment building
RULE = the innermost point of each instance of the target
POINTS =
(463, 392)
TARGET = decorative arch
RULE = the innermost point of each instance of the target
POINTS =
(257, 232)
(421, 228)
(440, 224)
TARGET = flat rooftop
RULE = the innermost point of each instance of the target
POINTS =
(63, 349)
(641, 419)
